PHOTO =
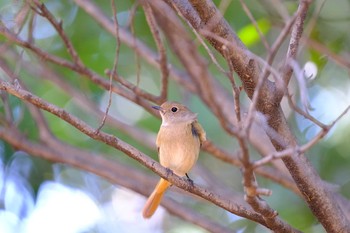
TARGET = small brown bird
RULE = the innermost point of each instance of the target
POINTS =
(179, 139)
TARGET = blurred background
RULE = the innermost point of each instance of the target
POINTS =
(39, 196)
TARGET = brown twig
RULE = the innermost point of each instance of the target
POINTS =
(115, 64)
(301, 81)
(132, 29)
(257, 28)
(44, 12)
(41, 123)
(253, 192)
(235, 90)
(338, 59)
(304, 113)
(273, 51)
(163, 63)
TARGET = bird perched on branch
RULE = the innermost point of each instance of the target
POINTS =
(179, 140)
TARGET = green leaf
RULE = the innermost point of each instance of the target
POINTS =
(250, 36)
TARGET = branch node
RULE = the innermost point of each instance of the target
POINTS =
(264, 191)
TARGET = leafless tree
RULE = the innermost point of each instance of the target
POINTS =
(184, 25)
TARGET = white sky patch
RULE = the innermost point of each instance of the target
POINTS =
(126, 209)
(9, 222)
(122, 109)
(61, 209)
(327, 105)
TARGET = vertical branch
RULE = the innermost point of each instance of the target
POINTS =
(235, 90)
(293, 47)
(161, 49)
(115, 64)
(137, 59)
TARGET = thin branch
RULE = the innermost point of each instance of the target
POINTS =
(322, 203)
(300, 77)
(224, 4)
(304, 113)
(44, 12)
(130, 25)
(8, 118)
(134, 88)
(235, 90)
(41, 123)
(163, 63)
(115, 64)
(257, 28)
(252, 191)
(312, 22)
(275, 48)
(338, 59)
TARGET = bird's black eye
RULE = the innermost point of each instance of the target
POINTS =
(174, 109)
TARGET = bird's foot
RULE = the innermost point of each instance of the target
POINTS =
(169, 172)
(190, 180)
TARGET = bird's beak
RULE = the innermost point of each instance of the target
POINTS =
(159, 108)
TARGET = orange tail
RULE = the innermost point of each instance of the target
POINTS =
(155, 198)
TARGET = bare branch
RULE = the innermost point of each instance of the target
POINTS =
(295, 40)
(264, 127)
(44, 12)
(163, 63)
(115, 64)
